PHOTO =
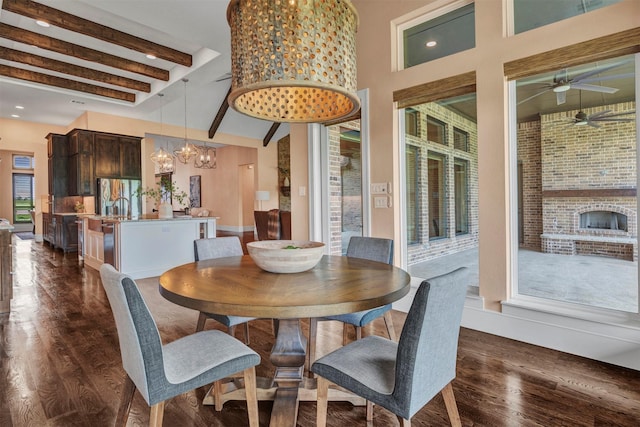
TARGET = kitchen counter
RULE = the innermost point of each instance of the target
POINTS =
(143, 247)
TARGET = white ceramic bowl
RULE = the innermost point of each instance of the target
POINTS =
(285, 256)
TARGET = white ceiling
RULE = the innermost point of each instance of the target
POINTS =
(197, 27)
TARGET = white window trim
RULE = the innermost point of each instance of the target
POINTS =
(427, 13)
(319, 175)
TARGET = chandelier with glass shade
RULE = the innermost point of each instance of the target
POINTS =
(187, 151)
(161, 157)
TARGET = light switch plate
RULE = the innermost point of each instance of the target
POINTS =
(380, 202)
(379, 188)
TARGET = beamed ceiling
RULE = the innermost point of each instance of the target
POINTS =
(94, 57)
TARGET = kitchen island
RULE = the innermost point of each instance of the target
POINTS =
(143, 247)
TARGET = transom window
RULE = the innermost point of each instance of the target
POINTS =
(436, 131)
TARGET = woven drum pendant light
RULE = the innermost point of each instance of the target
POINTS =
(293, 60)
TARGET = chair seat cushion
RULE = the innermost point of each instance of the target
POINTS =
(228, 320)
(360, 318)
(210, 354)
(357, 367)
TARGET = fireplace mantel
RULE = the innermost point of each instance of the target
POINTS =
(594, 192)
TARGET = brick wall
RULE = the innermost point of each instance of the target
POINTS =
(579, 160)
(426, 249)
(529, 174)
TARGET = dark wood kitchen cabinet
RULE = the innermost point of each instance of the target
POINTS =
(49, 228)
(118, 156)
(66, 232)
(81, 163)
(58, 164)
(130, 158)
(107, 155)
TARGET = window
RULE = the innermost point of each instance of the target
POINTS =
(437, 197)
(436, 131)
(22, 162)
(461, 189)
(572, 210)
(412, 122)
(530, 14)
(460, 139)
(23, 200)
(412, 194)
(439, 34)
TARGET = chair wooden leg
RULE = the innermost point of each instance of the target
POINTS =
(369, 411)
(246, 333)
(157, 413)
(251, 396)
(388, 321)
(217, 395)
(404, 422)
(450, 403)
(345, 334)
(323, 396)
(313, 336)
(358, 333)
(201, 319)
(125, 402)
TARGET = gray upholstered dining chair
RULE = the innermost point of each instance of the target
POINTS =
(404, 376)
(372, 249)
(161, 372)
(221, 247)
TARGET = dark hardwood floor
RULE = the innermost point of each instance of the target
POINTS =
(60, 365)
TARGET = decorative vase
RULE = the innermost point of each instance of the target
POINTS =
(286, 181)
(165, 210)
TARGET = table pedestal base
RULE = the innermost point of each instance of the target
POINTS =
(288, 386)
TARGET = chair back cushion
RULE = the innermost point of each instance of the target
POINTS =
(218, 247)
(371, 248)
(140, 344)
(428, 345)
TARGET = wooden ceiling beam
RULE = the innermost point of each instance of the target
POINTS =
(74, 70)
(272, 131)
(219, 115)
(74, 23)
(65, 48)
(35, 77)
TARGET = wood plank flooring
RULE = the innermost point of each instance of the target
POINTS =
(60, 365)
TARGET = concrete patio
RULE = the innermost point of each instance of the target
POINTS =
(589, 280)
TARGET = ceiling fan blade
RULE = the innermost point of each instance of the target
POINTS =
(561, 97)
(534, 96)
(621, 114)
(593, 88)
(593, 125)
(599, 114)
(598, 70)
(606, 119)
(605, 78)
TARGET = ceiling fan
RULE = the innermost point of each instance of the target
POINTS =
(562, 82)
(592, 120)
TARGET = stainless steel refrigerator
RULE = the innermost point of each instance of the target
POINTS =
(117, 197)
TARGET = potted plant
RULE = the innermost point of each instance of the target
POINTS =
(163, 193)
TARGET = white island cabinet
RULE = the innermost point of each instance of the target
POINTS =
(148, 247)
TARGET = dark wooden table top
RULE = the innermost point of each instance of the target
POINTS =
(237, 286)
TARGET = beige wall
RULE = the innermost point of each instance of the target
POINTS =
(375, 66)
(17, 136)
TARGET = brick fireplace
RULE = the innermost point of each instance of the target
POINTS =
(588, 187)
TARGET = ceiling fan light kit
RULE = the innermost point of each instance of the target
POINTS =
(293, 61)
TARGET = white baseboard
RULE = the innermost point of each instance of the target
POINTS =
(599, 338)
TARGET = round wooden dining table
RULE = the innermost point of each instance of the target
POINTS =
(237, 286)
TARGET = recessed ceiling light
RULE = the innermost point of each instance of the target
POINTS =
(151, 56)
(19, 107)
(15, 116)
(431, 43)
(44, 24)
